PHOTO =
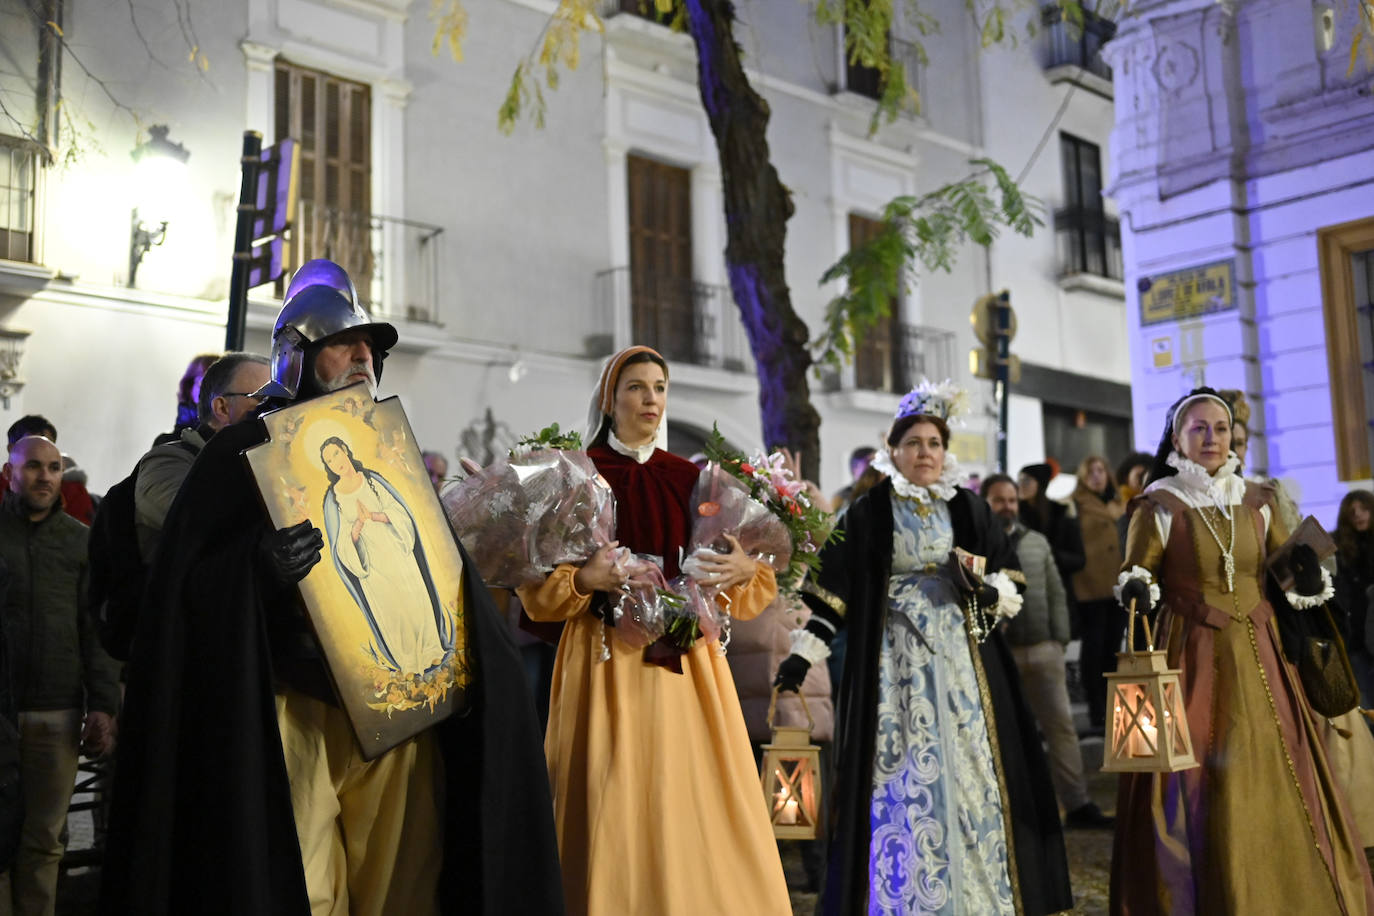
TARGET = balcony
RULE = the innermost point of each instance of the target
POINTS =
(865, 81)
(1089, 242)
(683, 319)
(1074, 53)
(394, 262)
(893, 362)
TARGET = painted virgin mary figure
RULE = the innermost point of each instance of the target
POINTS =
(379, 556)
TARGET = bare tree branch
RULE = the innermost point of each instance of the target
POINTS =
(133, 20)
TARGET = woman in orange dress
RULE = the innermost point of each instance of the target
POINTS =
(656, 795)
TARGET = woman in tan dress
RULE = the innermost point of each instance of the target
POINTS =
(1260, 826)
(656, 795)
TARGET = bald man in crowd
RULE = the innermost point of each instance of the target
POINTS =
(66, 688)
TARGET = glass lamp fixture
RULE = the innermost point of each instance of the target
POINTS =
(159, 186)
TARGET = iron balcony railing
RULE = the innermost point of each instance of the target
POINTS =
(1070, 45)
(681, 318)
(394, 262)
(894, 357)
(1089, 242)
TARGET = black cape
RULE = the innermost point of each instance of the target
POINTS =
(856, 569)
(201, 818)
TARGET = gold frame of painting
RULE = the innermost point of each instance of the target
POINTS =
(386, 599)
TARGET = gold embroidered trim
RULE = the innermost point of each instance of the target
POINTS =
(1014, 575)
(832, 600)
(990, 720)
(1292, 770)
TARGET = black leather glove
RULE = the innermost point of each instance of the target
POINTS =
(1137, 590)
(791, 673)
(988, 597)
(288, 554)
(1307, 570)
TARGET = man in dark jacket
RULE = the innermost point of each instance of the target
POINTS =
(1037, 637)
(226, 397)
(65, 686)
(240, 786)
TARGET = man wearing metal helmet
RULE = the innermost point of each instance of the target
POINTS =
(237, 763)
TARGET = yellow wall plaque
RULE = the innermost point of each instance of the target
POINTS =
(1188, 293)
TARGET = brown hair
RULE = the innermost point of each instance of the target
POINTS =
(1240, 407)
(993, 480)
(1085, 466)
(1347, 537)
(610, 377)
(902, 424)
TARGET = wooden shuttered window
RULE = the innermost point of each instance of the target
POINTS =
(878, 359)
(331, 119)
(18, 179)
(664, 308)
(1347, 273)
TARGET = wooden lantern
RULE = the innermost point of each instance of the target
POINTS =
(791, 777)
(1149, 726)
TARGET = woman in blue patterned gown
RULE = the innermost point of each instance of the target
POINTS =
(942, 801)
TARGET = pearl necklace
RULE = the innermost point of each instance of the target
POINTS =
(1228, 559)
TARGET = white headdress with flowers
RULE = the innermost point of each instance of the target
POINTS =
(948, 402)
(945, 400)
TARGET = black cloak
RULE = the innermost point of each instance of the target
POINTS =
(201, 818)
(855, 569)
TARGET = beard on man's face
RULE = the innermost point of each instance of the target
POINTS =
(343, 379)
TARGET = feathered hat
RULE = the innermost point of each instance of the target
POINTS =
(945, 400)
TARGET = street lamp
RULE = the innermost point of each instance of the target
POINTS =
(159, 173)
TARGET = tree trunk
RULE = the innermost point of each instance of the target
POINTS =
(757, 208)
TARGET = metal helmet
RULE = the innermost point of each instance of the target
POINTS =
(320, 302)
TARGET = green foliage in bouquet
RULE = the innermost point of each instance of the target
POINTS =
(682, 630)
(771, 483)
(549, 437)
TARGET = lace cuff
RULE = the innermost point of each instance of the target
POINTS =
(1009, 598)
(809, 646)
(1136, 572)
(1303, 602)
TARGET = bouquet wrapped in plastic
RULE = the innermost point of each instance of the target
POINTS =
(523, 515)
(637, 611)
(721, 505)
(760, 503)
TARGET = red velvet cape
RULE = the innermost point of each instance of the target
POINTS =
(653, 512)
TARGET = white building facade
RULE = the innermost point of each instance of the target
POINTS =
(1244, 164)
(512, 265)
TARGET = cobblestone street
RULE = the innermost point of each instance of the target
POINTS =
(1089, 851)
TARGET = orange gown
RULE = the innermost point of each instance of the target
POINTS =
(656, 794)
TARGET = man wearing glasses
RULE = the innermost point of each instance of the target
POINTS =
(226, 397)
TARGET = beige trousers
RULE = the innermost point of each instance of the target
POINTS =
(1041, 667)
(370, 832)
(48, 750)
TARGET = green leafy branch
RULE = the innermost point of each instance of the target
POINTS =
(559, 45)
(550, 437)
(928, 230)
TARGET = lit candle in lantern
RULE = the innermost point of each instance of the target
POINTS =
(784, 805)
(1147, 739)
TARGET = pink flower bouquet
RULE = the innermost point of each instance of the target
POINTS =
(521, 516)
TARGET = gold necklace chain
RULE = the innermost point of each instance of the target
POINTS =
(1228, 559)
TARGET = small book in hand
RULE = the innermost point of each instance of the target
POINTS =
(1311, 533)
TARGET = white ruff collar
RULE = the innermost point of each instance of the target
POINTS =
(943, 489)
(1197, 488)
(641, 454)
